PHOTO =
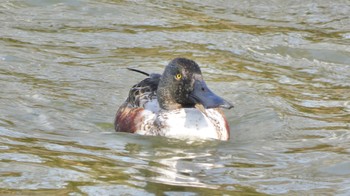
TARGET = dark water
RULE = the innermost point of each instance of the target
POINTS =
(284, 64)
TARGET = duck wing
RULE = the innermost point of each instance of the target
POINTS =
(144, 91)
(142, 97)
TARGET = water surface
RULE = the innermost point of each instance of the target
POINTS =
(284, 65)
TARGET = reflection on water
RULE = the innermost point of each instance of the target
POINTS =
(284, 65)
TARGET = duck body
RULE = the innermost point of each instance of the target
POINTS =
(176, 104)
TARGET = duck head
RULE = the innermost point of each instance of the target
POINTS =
(182, 85)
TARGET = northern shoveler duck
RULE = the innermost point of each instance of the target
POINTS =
(176, 104)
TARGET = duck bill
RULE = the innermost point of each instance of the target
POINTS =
(201, 94)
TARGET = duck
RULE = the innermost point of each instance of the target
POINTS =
(175, 104)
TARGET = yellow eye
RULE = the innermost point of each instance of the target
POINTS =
(178, 76)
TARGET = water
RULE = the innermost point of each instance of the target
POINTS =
(284, 65)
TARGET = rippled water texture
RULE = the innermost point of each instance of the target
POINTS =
(284, 65)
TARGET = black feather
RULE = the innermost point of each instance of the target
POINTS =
(138, 71)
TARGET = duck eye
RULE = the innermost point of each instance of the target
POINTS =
(178, 76)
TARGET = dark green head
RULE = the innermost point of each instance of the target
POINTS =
(182, 85)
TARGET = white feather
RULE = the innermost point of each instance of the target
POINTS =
(185, 123)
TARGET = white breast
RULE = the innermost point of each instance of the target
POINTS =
(190, 123)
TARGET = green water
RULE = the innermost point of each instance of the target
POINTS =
(284, 65)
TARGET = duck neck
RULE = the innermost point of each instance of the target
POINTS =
(165, 98)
